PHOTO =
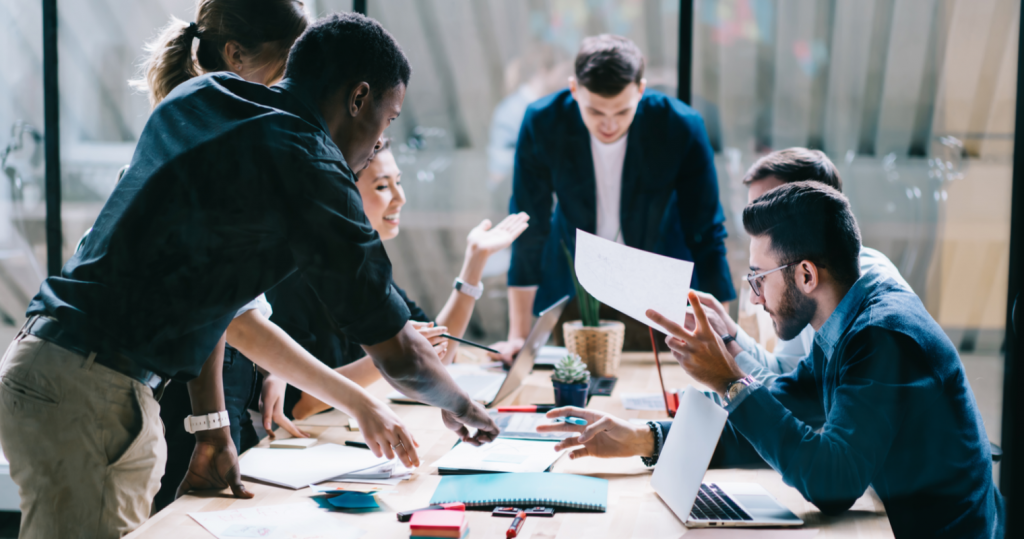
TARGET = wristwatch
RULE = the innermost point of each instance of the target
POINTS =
(734, 388)
(728, 339)
(472, 291)
(216, 420)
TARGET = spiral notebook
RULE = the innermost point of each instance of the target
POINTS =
(567, 492)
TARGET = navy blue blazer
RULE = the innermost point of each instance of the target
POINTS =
(669, 193)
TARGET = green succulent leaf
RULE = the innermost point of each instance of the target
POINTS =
(571, 370)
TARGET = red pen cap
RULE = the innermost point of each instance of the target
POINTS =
(517, 524)
(459, 506)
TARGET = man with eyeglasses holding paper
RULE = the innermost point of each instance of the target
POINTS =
(882, 401)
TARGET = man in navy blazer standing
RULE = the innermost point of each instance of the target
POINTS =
(626, 163)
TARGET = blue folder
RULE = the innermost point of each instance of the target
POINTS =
(562, 491)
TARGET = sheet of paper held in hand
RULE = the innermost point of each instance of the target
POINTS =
(631, 280)
(291, 521)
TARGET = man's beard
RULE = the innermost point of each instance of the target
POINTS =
(794, 313)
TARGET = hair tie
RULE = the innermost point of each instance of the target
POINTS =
(192, 30)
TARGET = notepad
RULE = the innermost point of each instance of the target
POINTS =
(438, 524)
(567, 492)
(297, 469)
(501, 455)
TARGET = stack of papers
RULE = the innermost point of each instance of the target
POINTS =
(292, 521)
(298, 469)
(501, 455)
(549, 355)
(524, 426)
(388, 473)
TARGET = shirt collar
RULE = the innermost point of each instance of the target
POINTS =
(846, 312)
(310, 109)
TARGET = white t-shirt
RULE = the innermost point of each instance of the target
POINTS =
(608, 161)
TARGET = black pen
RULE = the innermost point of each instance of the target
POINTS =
(352, 443)
(471, 343)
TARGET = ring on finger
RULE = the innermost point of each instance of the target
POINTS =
(399, 444)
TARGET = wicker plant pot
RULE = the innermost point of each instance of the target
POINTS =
(600, 347)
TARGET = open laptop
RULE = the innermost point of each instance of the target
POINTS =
(680, 471)
(489, 386)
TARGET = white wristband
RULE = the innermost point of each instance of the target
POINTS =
(472, 291)
(216, 420)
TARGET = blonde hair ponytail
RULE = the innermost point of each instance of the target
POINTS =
(170, 62)
(250, 23)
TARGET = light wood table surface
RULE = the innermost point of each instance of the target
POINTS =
(634, 509)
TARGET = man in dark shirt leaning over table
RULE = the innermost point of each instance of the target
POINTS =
(881, 401)
(232, 187)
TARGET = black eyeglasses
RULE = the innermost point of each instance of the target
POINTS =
(755, 279)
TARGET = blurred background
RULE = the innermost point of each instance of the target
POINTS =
(913, 100)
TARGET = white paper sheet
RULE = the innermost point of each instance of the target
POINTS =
(291, 521)
(296, 469)
(503, 455)
(389, 473)
(549, 355)
(737, 533)
(631, 280)
(643, 401)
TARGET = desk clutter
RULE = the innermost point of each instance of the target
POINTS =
(297, 469)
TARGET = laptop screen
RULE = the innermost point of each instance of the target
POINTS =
(538, 337)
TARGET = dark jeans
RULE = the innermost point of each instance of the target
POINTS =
(175, 406)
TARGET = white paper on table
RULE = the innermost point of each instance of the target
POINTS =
(738, 533)
(643, 401)
(391, 473)
(502, 455)
(631, 280)
(296, 469)
(291, 521)
(549, 355)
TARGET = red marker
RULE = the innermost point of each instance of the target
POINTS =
(527, 409)
(517, 524)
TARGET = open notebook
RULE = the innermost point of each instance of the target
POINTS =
(567, 492)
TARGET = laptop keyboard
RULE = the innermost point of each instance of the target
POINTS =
(713, 504)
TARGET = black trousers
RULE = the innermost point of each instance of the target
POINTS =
(175, 406)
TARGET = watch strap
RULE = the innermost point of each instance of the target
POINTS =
(728, 339)
(215, 420)
(473, 291)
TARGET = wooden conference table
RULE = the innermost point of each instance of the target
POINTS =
(634, 510)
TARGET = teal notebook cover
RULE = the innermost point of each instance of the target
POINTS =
(561, 491)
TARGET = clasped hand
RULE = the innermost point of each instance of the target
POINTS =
(701, 352)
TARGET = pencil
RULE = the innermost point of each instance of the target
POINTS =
(471, 343)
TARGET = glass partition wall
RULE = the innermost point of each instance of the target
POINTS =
(914, 101)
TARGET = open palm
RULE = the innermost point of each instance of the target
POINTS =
(487, 239)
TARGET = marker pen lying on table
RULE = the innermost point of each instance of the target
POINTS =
(352, 443)
(527, 409)
(517, 524)
(471, 343)
(572, 421)
(405, 516)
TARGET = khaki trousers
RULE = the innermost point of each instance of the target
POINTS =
(85, 442)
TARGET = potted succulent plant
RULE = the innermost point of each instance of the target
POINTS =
(598, 342)
(571, 380)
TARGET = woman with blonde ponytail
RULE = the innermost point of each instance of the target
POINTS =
(250, 38)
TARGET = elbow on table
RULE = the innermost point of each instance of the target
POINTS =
(832, 506)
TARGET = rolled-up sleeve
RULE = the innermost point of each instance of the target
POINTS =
(339, 253)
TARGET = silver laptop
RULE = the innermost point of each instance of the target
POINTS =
(489, 386)
(678, 477)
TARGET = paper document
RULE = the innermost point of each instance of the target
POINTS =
(291, 521)
(643, 401)
(389, 473)
(631, 280)
(502, 455)
(549, 355)
(297, 469)
(524, 426)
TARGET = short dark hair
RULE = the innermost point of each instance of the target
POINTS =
(795, 165)
(606, 64)
(347, 48)
(808, 221)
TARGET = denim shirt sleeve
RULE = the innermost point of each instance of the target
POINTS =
(832, 467)
(766, 366)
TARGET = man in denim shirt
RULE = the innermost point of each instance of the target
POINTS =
(882, 401)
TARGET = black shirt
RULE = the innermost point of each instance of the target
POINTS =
(232, 187)
(299, 312)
